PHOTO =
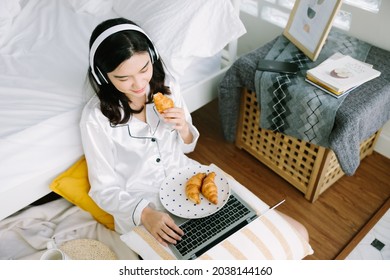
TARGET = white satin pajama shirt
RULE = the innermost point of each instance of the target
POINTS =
(127, 163)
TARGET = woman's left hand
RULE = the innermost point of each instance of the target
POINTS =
(177, 118)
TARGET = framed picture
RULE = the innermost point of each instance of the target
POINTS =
(309, 24)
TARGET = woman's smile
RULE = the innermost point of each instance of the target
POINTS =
(139, 91)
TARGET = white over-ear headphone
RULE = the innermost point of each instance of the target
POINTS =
(104, 35)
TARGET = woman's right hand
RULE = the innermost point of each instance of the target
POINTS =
(161, 226)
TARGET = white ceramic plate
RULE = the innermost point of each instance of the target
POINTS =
(174, 199)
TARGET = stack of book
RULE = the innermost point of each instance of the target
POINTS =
(340, 74)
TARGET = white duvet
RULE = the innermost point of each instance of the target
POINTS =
(25, 235)
(43, 64)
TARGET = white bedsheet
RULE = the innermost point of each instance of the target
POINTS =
(44, 64)
(25, 235)
(44, 60)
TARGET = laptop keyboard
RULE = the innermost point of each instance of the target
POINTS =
(197, 231)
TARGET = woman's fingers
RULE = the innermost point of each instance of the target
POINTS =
(161, 226)
(170, 232)
(175, 116)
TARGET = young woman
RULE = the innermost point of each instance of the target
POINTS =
(130, 148)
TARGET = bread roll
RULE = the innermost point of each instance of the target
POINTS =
(162, 102)
(193, 186)
(209, 189)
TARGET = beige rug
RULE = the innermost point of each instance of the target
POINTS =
(373, 241)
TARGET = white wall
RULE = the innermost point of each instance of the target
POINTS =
(367, 26)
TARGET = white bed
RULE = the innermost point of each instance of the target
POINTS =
(43, 64)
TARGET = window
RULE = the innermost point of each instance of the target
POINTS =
(368, 5)
(277, 11)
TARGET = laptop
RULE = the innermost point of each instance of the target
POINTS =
(202, 234)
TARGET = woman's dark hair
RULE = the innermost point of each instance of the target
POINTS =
(115, 49)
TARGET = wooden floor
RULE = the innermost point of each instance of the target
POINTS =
(333, 220)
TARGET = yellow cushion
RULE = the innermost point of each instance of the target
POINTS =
(73, 185)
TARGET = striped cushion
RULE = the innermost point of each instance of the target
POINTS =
(269, 237)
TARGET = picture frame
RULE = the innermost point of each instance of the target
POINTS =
(309, 24)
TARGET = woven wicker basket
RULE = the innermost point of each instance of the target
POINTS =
(310, 168)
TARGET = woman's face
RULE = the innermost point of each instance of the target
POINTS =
(132, 76)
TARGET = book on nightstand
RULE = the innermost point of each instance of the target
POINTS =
(340, 74)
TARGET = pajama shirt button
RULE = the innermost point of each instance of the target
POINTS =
(153, 139)
(158, 159)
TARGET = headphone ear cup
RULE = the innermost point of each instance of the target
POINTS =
(153, 55)
(100, 79)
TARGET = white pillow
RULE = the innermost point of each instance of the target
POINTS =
(9, 9)
(184, 29)
(93, 7)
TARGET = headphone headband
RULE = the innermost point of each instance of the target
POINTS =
(104, 35)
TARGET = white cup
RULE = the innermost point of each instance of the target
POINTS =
(54, 254)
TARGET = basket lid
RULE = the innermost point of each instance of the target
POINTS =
(87, 249)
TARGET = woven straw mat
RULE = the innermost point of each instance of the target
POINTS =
(87, 249)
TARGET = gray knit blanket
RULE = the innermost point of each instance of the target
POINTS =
(364, 111)
(292, 106)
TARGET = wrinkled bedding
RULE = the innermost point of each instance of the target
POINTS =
(26, 234)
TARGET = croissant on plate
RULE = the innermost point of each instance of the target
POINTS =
(162, 102)
(193, 186)
(209, 188)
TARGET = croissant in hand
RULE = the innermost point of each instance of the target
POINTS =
(162, 102)
(193, 186)
(209, 188)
